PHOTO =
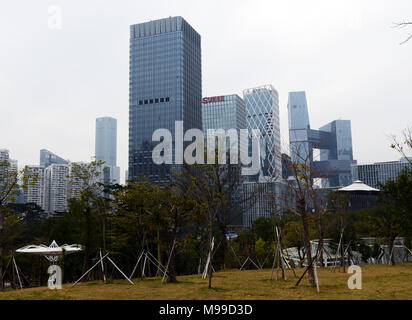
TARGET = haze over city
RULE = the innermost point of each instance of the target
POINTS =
(346, 55)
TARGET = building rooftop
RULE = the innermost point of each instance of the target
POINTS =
(358, 186)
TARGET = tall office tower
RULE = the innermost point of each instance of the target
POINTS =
(106, 140)
(35, 190)
(165, 86)
(334, 140)
(56, 188)
(47, 158)
(262, 111)
(223, 112)
(339, 155)
(301, 148)
(106, 148)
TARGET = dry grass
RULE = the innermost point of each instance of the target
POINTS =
(379, 282)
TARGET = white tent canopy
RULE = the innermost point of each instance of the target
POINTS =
(358, 186)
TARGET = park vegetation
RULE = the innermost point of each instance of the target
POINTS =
(184, 223)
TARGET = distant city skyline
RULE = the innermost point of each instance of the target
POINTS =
(346, 57)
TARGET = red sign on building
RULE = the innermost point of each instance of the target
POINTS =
(213, 99)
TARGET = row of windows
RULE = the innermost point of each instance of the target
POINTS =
(156, 100)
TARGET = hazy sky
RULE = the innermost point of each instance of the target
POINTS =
(344, 54)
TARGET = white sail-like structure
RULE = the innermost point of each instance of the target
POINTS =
(50, 252)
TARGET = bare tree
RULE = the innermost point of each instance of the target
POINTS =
(9, 190)
(404, 145)
(302, 187)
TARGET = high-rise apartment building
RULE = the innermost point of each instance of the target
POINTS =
(165, 85)
(47, 158)
(5, 158)
(334, 140)
(56, 177)
(262, 112)
(106, 148)
(35, 189)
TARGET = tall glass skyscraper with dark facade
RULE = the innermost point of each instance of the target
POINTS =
(165, 86)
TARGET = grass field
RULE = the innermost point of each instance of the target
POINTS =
(378, 282)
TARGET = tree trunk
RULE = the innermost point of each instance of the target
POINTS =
(210, 270)
(159, 256)
(172, 266)
(87, 242)
(306, 241)
(342, 255)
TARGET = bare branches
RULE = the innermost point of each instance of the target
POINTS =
(403, 25)
(404, 147)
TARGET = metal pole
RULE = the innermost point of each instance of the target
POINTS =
(17, 271)
(168, 260)
(144, 265)
(120, 270)
(90, 269)
(134, 269)
(101, 262)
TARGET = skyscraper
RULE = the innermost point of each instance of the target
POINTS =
(223, 112)
(106, 140)
(165, 86)
(262, 111)
(106, 147)
(301, 149)
(334, 140)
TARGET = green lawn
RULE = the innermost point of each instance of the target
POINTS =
(378, 282)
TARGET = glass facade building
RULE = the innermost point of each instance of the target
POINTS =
(224, 112)
(262, 112)
(164, 86)
(47, 158)
(334, 140)
(380, 172)
(265, 199)
(106, 148)
(106, 140)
